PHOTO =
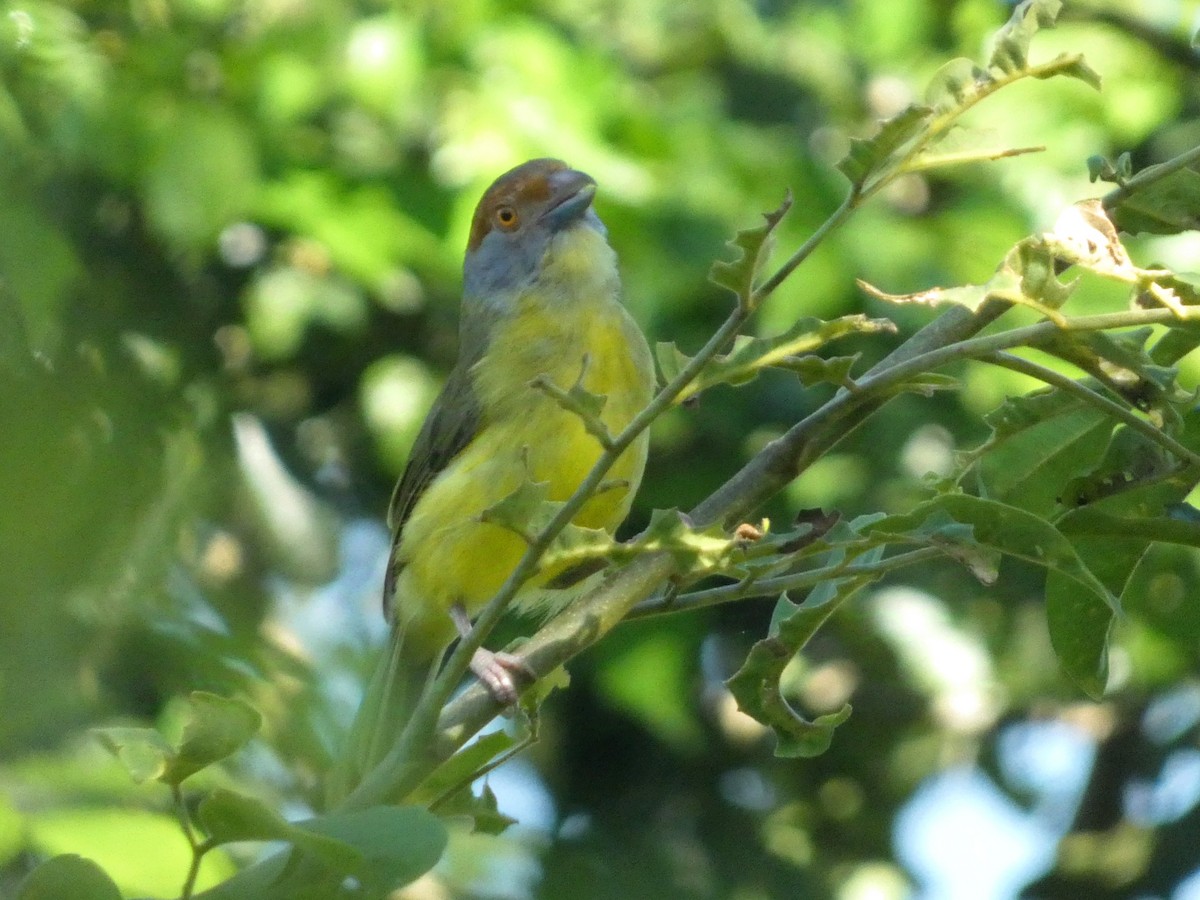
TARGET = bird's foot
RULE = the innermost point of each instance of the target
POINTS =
(499, 673)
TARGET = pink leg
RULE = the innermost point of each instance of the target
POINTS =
(497, 671)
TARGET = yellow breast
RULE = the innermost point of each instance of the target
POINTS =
(571, 315)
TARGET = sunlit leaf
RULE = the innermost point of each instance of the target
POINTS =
(1026, 277)
(1011, 47)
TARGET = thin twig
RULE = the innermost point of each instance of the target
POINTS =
(1151, 174)
(767, 587)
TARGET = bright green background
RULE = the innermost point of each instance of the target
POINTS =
(210, 208)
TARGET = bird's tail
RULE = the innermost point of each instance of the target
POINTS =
(395, 687)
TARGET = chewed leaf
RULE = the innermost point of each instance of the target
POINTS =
(695, 550)
(1026, 277)
(755, 685)
(955, 83)
(789, 350)
(1011, 50)
(525, 511)
(753, 246)
(814, 370)
(576, 546)
(868, 156)
(579, 400)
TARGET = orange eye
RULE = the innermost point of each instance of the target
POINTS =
(506, 217)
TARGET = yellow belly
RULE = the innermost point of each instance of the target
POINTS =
(449, 555)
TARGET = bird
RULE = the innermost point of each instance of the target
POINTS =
(541, 301)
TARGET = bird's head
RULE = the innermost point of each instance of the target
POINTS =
(518, 218)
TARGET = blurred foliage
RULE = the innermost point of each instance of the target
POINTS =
(230, 235)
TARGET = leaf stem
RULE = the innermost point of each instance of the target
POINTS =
(197, 847)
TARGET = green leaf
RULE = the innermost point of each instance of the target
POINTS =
(814, 370)
(68, 877)
(1028, 468)
(1169, 204)
(1112, 534)
(398, 844)
(870, 156)
(481, 808)
(464, 766)
(755, 685)
(790, 350)
(228, 817)
(142, 751)
(1008, 530)
(215, 728)
(753, 246)
(1078, 623)
(525, 511)
(671, 360)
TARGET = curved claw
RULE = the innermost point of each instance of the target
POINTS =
(500, 673)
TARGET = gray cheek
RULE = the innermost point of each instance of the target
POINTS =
(502, 263)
